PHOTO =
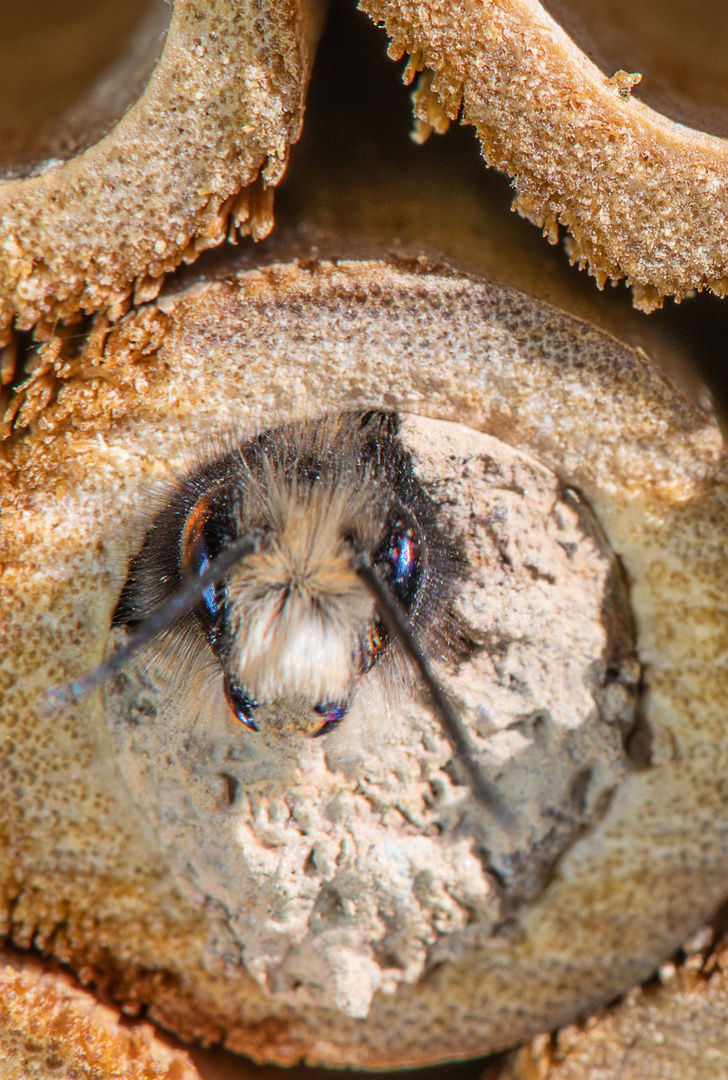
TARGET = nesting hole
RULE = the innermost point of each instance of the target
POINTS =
(69, 69)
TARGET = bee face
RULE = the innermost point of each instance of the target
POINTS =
(292, 627)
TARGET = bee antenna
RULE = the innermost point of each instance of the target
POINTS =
(450, 722)
(165, 616)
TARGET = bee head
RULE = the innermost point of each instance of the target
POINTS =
(292, 624)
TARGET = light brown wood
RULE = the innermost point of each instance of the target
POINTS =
(196, 156)
(53, 1030)
(639, 195)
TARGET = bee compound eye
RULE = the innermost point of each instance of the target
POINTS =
(207, 531)
(332, 713)
(399, 558)
(242, 705)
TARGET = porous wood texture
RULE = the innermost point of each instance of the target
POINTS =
(196, 156)
(641, 196)
(672, 1029)
(52, 1030)
(84, 876)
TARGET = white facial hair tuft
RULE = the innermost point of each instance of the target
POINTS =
(299, 611)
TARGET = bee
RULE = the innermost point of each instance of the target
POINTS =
(308, 563)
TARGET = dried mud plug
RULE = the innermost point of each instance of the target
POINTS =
(506, 586)
(549, 514)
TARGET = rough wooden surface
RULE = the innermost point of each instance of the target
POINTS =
(672, 1029)
(640, 196)
(220, 110)
(52, 1030)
